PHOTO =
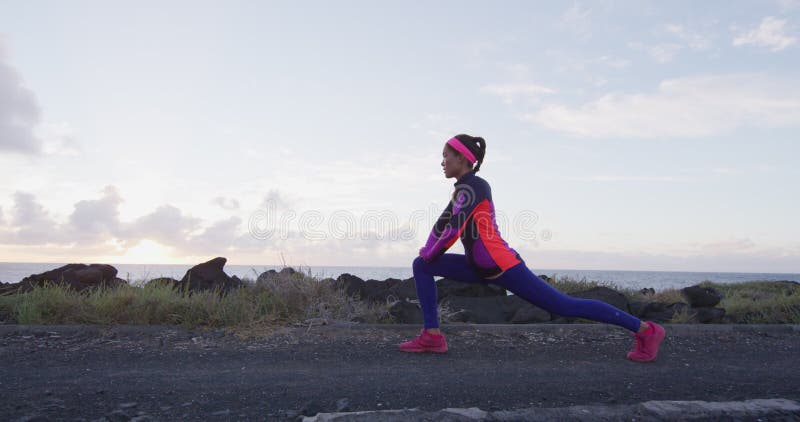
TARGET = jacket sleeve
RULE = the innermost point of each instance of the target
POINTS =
(450, 224)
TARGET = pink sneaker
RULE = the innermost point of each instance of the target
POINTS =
(425, 342)
(646, 345)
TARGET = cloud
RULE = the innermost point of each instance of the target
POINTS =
(681, 108)
(96, 219)
(728, 246)
(770, 33)
(577, 19)
(662, 53)
(30, 223)
(786, 5)
(692, 39)
(226, 203)
(602, 178)
(166, 225)
(19, 112)
(510, 92)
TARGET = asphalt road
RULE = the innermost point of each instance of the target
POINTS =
(167, 373)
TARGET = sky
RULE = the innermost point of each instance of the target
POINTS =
(624, 135)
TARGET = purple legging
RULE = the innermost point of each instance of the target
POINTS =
(518, 280)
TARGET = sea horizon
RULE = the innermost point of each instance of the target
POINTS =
(12, 272)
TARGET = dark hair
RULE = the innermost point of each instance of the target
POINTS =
(476, 145)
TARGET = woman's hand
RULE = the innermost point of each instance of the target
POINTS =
(425, 254)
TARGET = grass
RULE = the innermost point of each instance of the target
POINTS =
(282, 300)
(297, 298)
(760, 302)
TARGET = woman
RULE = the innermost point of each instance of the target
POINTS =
(489, 259)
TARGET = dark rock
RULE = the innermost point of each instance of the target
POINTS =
(391, 282)
(648, 291)
(405, 312)
(350, 283)
(545, 278)
(530, 314)
(604, 294)
(374, 291)
(283, 274)
(78, 277)
(699, 297)
(266, 276)
(161, 281)
(637, 308)
(479, 310)
(209, 276)
(404, 289)
(707, 315)
(662, 312)
(446, 288)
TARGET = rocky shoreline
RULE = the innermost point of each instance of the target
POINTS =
(459, 302)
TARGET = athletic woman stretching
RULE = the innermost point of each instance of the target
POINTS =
(470, 216)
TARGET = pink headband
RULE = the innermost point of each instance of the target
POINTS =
(455, 143)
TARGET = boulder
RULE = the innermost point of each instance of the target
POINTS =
(78, 277)
(404, 289)
(375, 291)
(700, 297)
(446, 288)
(604, 294)
(662, 312)
(351, 284)
(529, 314)
(637, 308)
(648, 291)
(162, 281)
(405, 312)
(209, 276)
(478, 310)
(271, 275)
(707, 315)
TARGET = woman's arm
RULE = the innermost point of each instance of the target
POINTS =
(450, 223)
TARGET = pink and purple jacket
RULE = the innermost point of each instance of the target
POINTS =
(471, 216)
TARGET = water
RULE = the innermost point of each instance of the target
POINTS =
(11, 272)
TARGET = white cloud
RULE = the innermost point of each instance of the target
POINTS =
(577, 19)
(226, 203)
(685, 107)
(771, 33)
(30, 223)
(692, 39)
(510, 92)
(604, 178)
(662, 53)
(786, 5)
(19, 112)
(96, 219)
(166, 225)
(614, 62)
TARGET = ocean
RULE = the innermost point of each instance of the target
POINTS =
(11, 272)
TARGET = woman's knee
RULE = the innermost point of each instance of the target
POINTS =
(418, 264)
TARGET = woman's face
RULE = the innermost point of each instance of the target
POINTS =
(453, 163)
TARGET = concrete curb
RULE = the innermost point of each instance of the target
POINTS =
(650, 411)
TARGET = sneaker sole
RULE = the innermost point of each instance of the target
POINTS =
(423, 351)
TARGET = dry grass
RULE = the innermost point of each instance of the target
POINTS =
(297, 298)
(760, 302)
(284, 299)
